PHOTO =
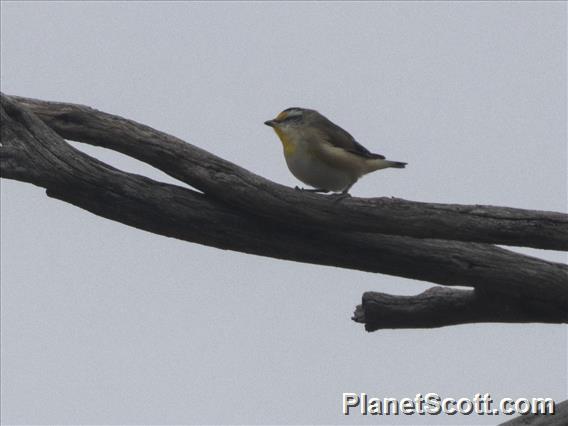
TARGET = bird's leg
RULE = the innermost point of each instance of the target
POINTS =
(346, 190)
(343, 194)
(339, 196)
(297, 188)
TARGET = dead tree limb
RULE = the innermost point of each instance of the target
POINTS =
(442, 306)
(259, 196)
(32, 152)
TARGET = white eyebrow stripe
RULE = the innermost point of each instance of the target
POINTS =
(294, 113)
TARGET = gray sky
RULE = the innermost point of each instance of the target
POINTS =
(103, 323)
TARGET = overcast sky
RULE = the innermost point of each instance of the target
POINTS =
(107, 324)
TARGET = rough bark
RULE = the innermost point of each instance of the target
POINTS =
(259, 196)
(441, 306)
(34, 153)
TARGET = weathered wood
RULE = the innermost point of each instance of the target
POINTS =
(442, 306)
(32, 152)
(259, 196)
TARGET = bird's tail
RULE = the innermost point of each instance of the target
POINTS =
(380, 163)
(397, 164)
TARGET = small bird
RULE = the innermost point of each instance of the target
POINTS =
(323, 155)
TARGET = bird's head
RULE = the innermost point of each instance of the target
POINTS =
(291, 118)
(290, 126)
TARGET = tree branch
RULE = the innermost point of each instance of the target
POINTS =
(259, 196)
(442, 306)
(33, 153)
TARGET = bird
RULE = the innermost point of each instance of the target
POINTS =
(321, 154)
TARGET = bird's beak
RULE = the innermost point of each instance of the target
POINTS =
(271, 123)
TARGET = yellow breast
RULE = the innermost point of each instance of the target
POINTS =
(287, 143)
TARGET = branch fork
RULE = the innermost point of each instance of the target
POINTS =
(446, 244)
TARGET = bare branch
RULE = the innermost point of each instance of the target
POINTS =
(259, 196)
(32, 152)
(442, 306)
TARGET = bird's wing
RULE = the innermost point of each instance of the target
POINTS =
(336, 136)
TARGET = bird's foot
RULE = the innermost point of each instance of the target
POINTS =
(340, 196)
(319, 190)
